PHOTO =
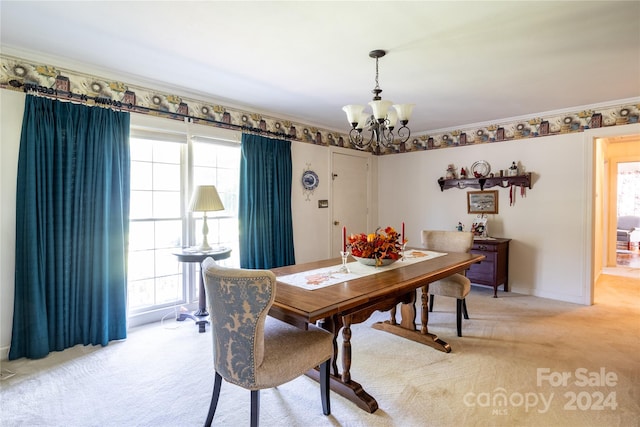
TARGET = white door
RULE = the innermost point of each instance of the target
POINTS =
(350, 190)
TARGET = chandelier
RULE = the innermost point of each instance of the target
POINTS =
(381, 122)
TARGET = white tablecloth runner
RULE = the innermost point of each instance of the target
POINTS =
(327, 276)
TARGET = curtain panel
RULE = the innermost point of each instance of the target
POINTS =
(264, 208)
(72, 220)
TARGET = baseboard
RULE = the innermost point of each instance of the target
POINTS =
(137, 320)
(157, 315)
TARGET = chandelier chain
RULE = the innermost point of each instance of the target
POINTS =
(377, 85)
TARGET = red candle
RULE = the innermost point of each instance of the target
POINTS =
(344, 239)
(402, 237)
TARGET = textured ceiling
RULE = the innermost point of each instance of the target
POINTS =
(461, 63)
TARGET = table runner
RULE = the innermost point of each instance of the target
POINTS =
(327, 276)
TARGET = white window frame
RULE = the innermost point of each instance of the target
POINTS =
(164, 129)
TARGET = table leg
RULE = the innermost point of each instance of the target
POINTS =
(202, 298)
(342, 383)
(346, 349)
(407, 327)
(199, 316)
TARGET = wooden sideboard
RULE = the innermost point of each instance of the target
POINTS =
(494, 269)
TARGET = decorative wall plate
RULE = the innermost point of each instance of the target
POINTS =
(480, 167)
(310, 180)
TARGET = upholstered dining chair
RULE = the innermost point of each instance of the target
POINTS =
(457, 285)
(251, 349)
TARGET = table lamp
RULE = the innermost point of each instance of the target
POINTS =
(205, 199)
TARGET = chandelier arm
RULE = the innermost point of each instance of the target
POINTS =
(355, 136)
(403, 133)
(387, 137)
(357, 140)
(372, 140)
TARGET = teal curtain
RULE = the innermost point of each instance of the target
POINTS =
(264, 208)
(72, 220)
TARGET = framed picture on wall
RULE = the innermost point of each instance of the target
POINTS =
(482, 202)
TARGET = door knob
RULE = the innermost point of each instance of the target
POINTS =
(336, 222)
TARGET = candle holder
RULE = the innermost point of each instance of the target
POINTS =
(344, 269)
(404, 245)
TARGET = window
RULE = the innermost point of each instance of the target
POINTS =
(165, 167)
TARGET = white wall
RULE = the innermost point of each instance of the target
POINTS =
(11, 110)
(550, 227)
(313, 226)
(311, 237)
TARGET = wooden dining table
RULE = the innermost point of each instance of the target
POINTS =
(341, 305)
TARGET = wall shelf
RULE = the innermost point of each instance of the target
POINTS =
(482, 183)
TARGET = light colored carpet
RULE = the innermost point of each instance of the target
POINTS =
(162, 374)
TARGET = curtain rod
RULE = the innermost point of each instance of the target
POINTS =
(108, 102)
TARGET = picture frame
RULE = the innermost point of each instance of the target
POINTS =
(482, 202)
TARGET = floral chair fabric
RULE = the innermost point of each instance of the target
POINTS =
(250, 349)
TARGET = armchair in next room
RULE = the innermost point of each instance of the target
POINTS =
(628, 232)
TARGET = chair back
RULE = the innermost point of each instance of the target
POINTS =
(447, 241)
(238, 302)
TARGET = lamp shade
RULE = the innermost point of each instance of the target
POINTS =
(392, 116)
(404, 111)
(353, 113)
(206, 199)
(380, 108)
(363, 120)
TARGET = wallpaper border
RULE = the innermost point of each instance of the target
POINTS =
(49, 79)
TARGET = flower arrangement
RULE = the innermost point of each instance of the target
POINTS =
(380, 245)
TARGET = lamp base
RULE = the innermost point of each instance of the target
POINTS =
(205, 247)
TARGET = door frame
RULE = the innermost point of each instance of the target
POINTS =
(593, 234)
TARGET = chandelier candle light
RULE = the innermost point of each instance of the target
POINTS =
(381, 122)
(205, 199)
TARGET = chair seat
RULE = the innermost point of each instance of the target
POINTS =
(290, 352)
(454, 286)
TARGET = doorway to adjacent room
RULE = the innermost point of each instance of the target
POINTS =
(628, 204)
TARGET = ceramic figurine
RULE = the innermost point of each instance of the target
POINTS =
(451, 172)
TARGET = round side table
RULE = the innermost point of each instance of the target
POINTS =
(195, 255)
